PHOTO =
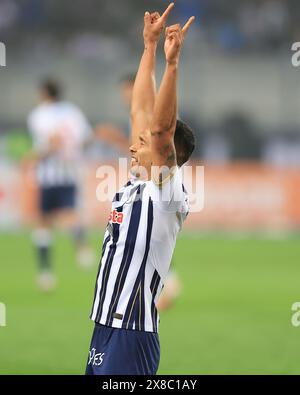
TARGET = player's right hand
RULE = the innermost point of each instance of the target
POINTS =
(154, 24)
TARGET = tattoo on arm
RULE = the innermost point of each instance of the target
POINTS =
(166, 150)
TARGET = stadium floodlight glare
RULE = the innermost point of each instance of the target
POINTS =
(2, 314)
(2, 55)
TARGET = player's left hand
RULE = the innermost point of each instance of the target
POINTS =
(154, 24)
(175, 36)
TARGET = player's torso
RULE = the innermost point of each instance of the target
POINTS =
(138, 246)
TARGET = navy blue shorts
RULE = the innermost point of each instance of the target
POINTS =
(57, 198)
(117, 351)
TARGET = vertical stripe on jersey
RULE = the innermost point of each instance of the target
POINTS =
(127, 256)
(134, 311)
(133, 316)
(108, 264)
(153, 287)
(103, 252)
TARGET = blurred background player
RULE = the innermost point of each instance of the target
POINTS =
(241, 95)
(59, 131)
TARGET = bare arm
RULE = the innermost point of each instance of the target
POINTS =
(165, 110)
(144, 91)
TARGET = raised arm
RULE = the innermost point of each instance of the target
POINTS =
(144, 91)
(163, 124)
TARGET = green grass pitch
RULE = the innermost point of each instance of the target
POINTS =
(234, 315)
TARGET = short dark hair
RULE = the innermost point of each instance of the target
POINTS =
(52, 88)
(184, 140)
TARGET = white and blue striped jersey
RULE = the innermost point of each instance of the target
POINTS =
(66, 121)
(137, 250)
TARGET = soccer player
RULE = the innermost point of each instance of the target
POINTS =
(147, 214)
(172, 285)
(59, 131)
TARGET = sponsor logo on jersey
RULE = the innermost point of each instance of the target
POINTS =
(115, 217)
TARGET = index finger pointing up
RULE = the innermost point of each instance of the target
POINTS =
(188, 25)
(167, 12)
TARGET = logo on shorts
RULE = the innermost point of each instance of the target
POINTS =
(95, 359)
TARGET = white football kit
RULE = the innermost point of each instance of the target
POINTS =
(137, 250)
(66, 121)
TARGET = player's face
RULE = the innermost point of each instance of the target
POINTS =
(141, 156)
